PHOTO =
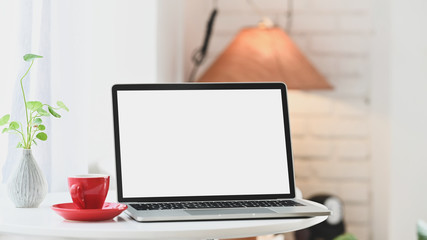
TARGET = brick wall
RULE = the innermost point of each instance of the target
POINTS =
(330, 129)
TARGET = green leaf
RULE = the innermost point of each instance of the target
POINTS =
(4, 119)
(5, 130)
(43, 112)
(13, 125)
(42, 136)
(19, 145)
(55, 114)
(34, 105)
(29, 57)
(62, 105)
(41, 127)
(345, 236)
(37, 121)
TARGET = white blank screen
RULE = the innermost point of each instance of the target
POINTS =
(202, 143)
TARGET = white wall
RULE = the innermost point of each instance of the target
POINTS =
(169, 40)
(380, 121)
(399, 117)
(408, 68)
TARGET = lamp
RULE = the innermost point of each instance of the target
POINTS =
(264, 54)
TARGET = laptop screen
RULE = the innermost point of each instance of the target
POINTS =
(202, 142)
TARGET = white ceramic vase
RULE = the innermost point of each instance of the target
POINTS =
(27, 185)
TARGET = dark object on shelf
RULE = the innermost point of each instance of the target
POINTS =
(331, 228)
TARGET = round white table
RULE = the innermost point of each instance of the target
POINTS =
(44, 222)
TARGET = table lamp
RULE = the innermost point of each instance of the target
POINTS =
(265, 54)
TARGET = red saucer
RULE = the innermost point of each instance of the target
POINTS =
(70, 212)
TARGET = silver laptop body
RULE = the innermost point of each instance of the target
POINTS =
(221, 150)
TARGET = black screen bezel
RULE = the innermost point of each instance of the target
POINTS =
(202, 86)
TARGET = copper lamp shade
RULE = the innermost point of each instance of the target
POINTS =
(265, 55)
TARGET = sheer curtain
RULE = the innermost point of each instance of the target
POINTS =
(88, 45)
(33, 37)
(36, 34)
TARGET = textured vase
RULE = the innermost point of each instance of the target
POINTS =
(27, 185)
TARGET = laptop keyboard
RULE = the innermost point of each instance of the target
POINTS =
(214, 204)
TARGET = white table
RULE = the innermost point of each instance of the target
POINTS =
(44, 222)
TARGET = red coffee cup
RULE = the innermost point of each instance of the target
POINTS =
(89, 191)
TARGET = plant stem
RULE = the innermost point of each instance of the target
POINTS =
(19, 132)
(22, 130)
(26, 144)
(30, 136)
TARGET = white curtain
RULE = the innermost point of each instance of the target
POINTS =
(29, 33)
(34, 35)
(88, 45)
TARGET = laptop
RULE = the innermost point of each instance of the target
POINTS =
(205, 151)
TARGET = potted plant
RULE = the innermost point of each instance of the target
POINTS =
(27, 185)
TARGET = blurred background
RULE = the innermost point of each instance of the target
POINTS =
(363, 140)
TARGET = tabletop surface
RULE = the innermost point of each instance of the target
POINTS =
(43, 221)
